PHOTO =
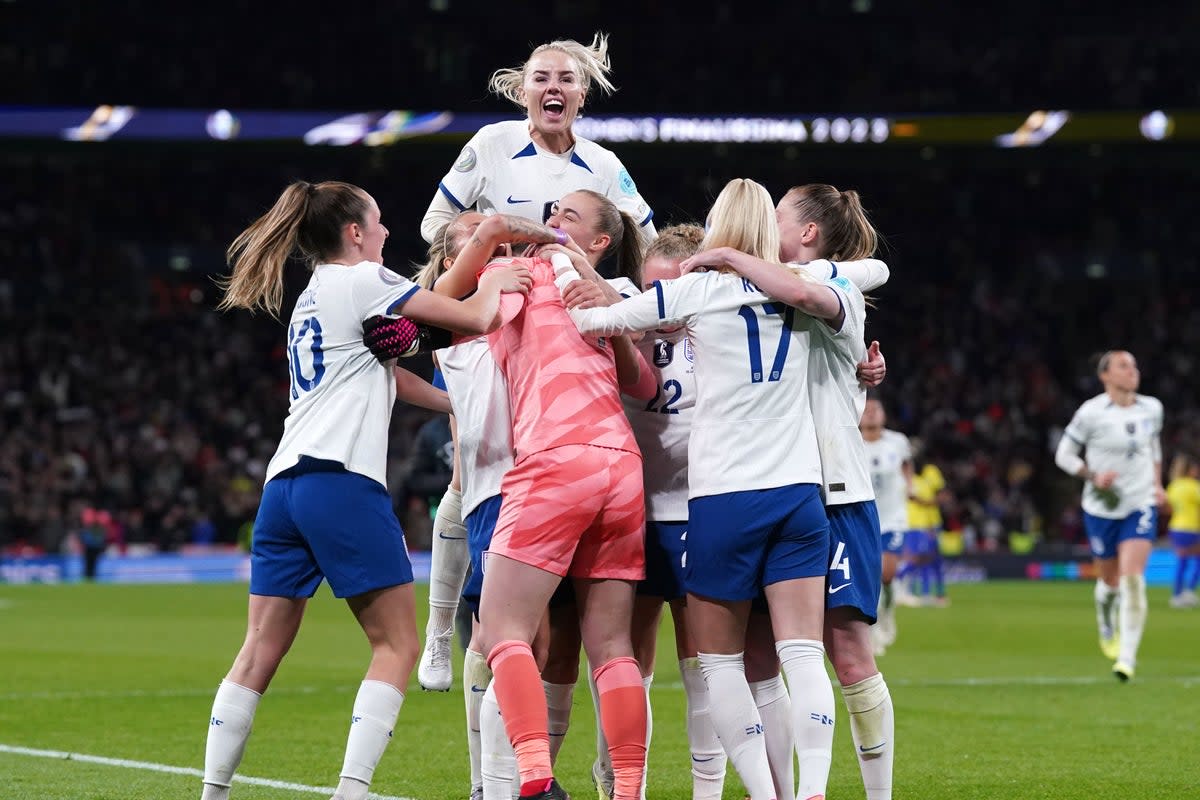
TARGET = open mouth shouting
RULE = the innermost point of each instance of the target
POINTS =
(554, 110)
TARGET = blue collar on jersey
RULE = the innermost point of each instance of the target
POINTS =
(530, 150)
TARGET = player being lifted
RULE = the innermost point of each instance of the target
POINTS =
(521, 168)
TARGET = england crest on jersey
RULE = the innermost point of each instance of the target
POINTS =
(663, 353)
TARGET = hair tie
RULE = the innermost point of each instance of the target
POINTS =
(560, 235)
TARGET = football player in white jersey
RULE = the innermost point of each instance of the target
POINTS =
(755, 518)
(520, 168)
(890, 457)
(523, 167)
(325, 511)
(827, 232)
(1118, 434)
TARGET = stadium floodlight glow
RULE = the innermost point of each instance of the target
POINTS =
(222, 125)
(103, 122)
(1038, 127)
(1156, 126)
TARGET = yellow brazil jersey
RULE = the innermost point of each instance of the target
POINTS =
(919, 514)
(1184, 496)
(937, 482)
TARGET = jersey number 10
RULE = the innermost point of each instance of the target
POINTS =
(748, 314)
(296, 333)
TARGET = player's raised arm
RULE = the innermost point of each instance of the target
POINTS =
(774, 280)
(644, 312)
(477, 314)
(490, 235)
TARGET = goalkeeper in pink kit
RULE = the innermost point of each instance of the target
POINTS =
(573, 505)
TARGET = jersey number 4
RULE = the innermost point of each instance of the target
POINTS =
(750, 316)
(297, 331)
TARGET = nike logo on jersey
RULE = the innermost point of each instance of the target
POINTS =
(871, 749)
(475, 688)
(512, 202)
(451, 538)
(703, 760)
(836, 589)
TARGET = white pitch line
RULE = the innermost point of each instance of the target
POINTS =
(189, 771)
(116, 694)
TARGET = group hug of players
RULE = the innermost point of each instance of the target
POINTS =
(640, 418)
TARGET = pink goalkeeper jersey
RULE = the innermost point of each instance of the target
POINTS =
(562, 386)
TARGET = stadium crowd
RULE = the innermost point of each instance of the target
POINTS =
(122, 390)
(979, 57)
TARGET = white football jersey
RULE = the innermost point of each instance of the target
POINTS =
(479, 397)
(1124, 439)
(886, 456)
(752, 426)
(341, 395)
(663, 425)
(866, 274)
(838, 399)
(502, 171)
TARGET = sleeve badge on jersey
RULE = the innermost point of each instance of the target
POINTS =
(688, 352)
(663, 353)
(466, 160)
(390, 278)
(625, 181)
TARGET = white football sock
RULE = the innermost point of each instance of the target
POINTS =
(775, 708)
(736, 721)
(812, 712)
(873, 728)
(229, 727)
(1105, 596)
(649, 732)
(375, 710)
(476, 677)
(448, 563)
(602, 756)
(708, 758)
(559, 697)
(498, 762)
(887, 614)
(1133, 616)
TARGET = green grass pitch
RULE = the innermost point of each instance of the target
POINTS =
(1002, 695)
